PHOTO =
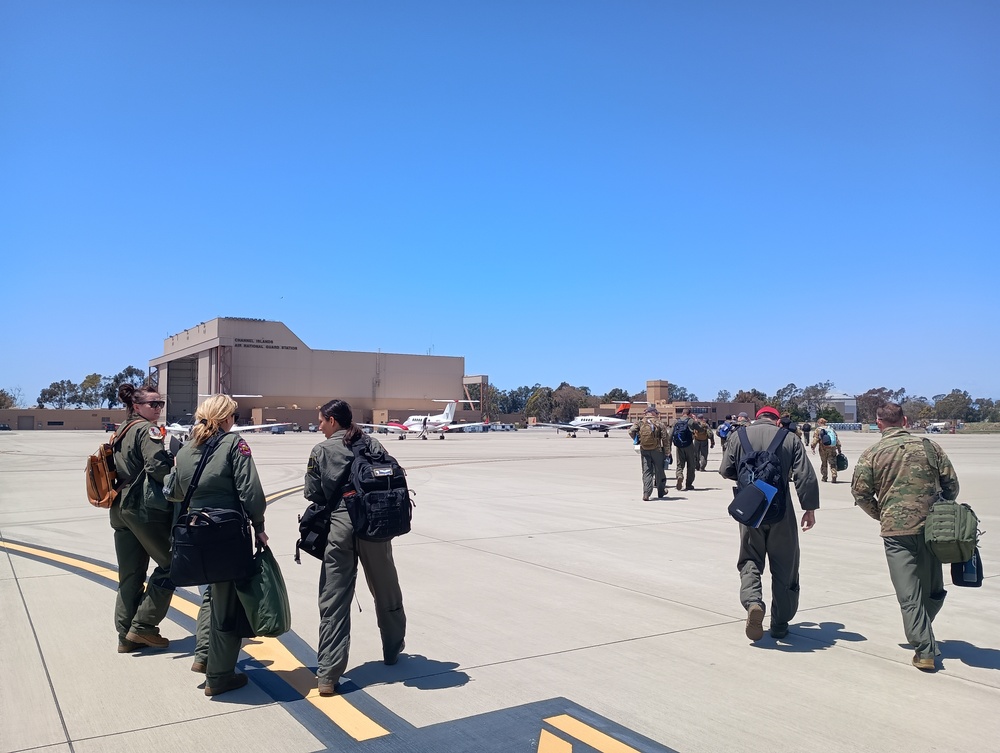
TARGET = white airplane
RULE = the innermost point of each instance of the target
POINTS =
(602, 424)
(424, 425)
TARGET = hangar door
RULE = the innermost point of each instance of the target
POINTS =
(25, 423)
(182, 390)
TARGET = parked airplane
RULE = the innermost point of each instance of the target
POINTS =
(424, 425)
(603, 424)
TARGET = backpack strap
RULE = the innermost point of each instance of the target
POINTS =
(209, 449)
(744, 440)
(776, 442)
(118, 436)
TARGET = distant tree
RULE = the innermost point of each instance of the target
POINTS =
(917, 409)
(798, 413)
(678, 394)
(616, 394)
(488, 405)
(130, 374)
(541, 404)
(957, 405)
(831, 414)
(7, 400)
(92, 391)
(815, 396)
(568, 400)
(638, 397)
(873, 399)
(723, 397)
(750, 396)
(986, 409)
(59, 395)
(786, 399)
(513, 401)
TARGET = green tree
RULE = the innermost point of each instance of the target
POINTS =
(723, 397)
(7, 400)
(831, 414)
(541, 404)
(873, 399)
(815, 396)
(917, 409)
(678, 394)
(59, 395)
(638, 397)
(513, 401)
(750, 396)
(986, 409)
(786, 399)
(614, 395)
(956, 405)
(92, 391)
(129, 375)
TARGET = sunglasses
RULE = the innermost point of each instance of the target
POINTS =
(156, 404)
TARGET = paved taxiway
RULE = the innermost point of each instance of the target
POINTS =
(548, 608)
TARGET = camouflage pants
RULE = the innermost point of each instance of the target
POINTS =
(828, 457)
(919, 585)
(701, 445)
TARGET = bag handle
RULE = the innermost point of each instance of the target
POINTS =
(209, 449)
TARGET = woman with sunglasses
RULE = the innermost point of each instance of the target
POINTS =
(229, 481)
(141, 518)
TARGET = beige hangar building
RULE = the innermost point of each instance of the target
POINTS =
(274, 376)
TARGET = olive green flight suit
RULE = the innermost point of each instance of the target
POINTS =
(654, 446)
(703, 434)
(230, 482)
(141, 518)
(326, 476)
(687, 458)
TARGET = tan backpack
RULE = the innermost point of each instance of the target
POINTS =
(102, 478)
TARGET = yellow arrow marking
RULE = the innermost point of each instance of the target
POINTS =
(549, 743)
(587, 734)
(268, 651)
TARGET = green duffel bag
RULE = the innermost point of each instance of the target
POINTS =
(265, 598)
(951, 531)
(841, 462)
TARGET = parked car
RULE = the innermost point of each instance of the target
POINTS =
(109, 427)
(296, 427)
(4, 427)
(312, 427)
(278, 429)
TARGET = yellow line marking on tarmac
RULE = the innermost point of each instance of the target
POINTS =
(269, 652)
(549, 743)
(587, 734)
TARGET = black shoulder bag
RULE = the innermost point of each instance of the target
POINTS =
(210, 545)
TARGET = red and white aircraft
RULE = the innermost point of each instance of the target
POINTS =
(424, 425)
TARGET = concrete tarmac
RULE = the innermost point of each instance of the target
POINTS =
(549, 608)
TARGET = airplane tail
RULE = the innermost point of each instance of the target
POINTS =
(449, 412)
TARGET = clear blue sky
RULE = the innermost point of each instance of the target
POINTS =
(725, 195)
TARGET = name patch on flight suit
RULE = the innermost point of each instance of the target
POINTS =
(244, 448)
(157, 433)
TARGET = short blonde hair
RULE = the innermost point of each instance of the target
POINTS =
(822, 422)
(210, 416)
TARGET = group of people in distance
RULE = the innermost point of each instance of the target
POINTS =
(142, 517)
(896, 480)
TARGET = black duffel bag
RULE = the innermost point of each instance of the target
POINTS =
(211, 545)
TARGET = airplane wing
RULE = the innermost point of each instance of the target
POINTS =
(180, 430)
(392, 428)
(557, 427)
(452, 427)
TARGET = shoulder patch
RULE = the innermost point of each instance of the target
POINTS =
(156, 433)
(243, 447)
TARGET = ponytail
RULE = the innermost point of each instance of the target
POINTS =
(340, 412)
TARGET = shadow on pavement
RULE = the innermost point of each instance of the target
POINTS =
(967, 653)
(808, 637)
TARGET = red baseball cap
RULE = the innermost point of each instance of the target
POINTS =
(768, 409)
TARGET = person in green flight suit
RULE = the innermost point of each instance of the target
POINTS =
(654, 448)
(327, 477)
(141, 518)
(228, 481)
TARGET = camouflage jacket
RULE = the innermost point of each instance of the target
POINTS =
(653, 435)
(897, 479)
(817, 441)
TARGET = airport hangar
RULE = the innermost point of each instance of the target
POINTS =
(275, 377)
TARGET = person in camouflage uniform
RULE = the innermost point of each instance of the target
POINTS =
(687, 457)
(654, 448)
(141, 518)
(895, 482)
(827, 453)
(703, 434)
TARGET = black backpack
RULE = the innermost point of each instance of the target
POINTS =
(314, 530)
(750, 505)
(378, 500)
(681, 435)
